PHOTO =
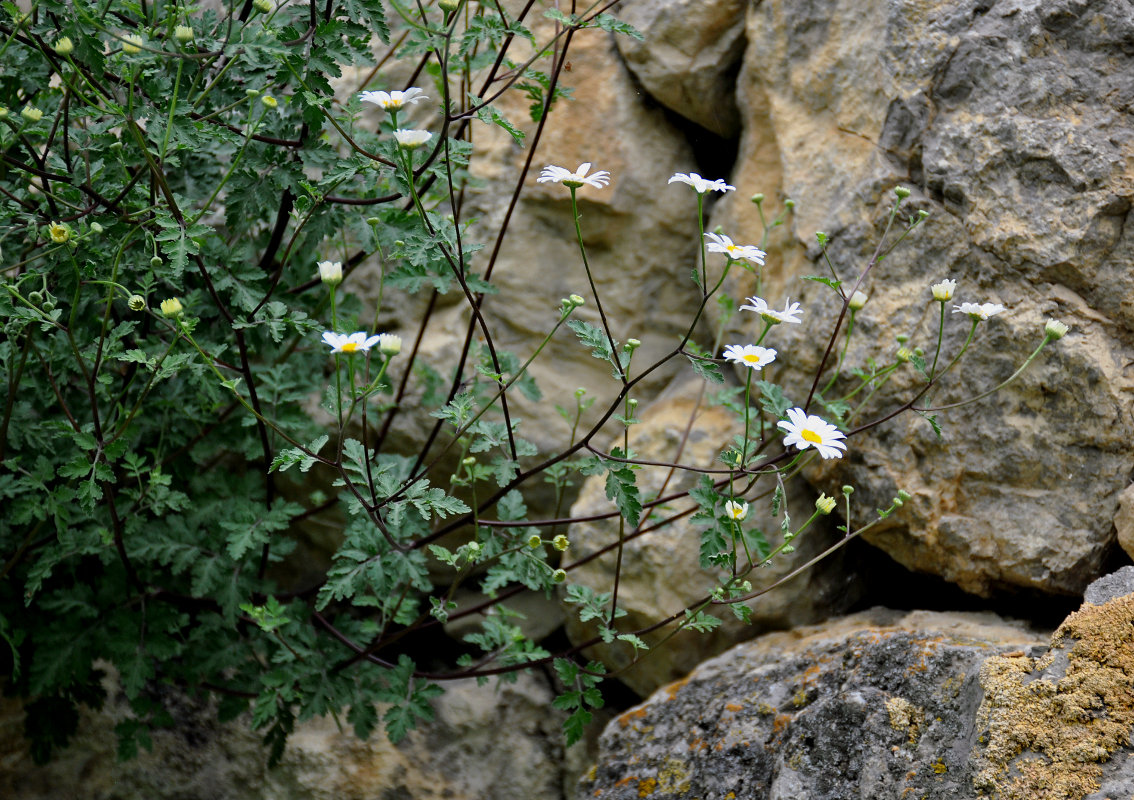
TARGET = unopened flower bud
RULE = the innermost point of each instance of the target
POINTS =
(3, 112)
(269, 101)
(904, 496)
(633, 344)
(857, 301)
(902, 338)
(534, 541)
(560, 543)
(136, 302)
(472, 548)
(789, 204)
(848, 490)
(758, 198)
(922, 214)
(449, 5)
(48, 305)
(64, 46)
(577, 300)
(252, 92)
(902, 192)
(389, 344)
(580, 391)
(171, 307)
(822, 238)
(31, 114)
(373, 220)
(156, 262)
(263, 6)
(825, 504)
(132, 44)
(96, 228)
(35, 298)
(1054, 329)
(632, 403)
(468, 461)
(559, 576)
(331, 272)
(183, 34)
(904, 354)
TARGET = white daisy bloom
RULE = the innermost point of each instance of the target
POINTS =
(331, 272)
(389, 344)
(943, 291)
(392, 101)
(736, 511)
(410, 139)
(723, 244)
(790, 313)
(349, 343)
(700, 185)
(554, 174)
(750, 355)
(979, 311)
(807, 430)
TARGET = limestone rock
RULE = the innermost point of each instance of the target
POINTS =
(1008, 123)
(877, 705)
(660, 567)
(689, 58)
(500, 742)
(885, 706)
(1124, 520)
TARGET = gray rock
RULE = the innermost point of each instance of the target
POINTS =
(877, 705)
(1117, 584)
(1009, 122)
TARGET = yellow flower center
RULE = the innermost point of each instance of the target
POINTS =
(751, 358)
(732, 249)
(811, 436)
(349, 347)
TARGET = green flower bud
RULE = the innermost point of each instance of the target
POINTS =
(64, 46)
(848, 490)
(156, 262)
(757, 198)
(136, 302)
(183, 34)
(449, 5)
(472, 548)
(905, 354)
(171, 307)
(269, 101)
(560, 543)
(857, 301)
(825, 504)
(902, 192)
(58, 232)
(468, 461)
(31, 114)
(789, 204)
(559, 576)
(822, 237)
(580, 391)
(48, 305)
(633, 344)
(252, 92)
(904, 496)
(1054, 329)
(35, 298)
(96, 228)
(3, 112)
(534, 541)
(263, 6)
(577, 300)
(901, 338)
(132, 44)
(922, 214)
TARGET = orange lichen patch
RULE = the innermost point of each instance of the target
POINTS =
(624, 781)
(780, 723)
(1049, 734)
(630, 716)
(647, 787)
(675, 687)
(734, 707)
(929, 648)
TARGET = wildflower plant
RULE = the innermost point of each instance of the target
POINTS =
(192, 377)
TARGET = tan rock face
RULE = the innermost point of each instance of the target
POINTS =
(660, 573)
(1003, 123)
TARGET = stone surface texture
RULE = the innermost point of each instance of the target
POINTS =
(660, 574)
(484, 742)
(1009, 123)
(886, 706)
(876, 705)
(689, 57)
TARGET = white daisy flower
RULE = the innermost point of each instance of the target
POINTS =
(750, 355)
(790, 313)
(700, 185)
(409, 139)
(723, 244)
(349, 343)
(979, 311)
(392, 101)
(331, 272)
(807, 430)
(389, 344)
(736, 511)
(943, 291)
(554, 174)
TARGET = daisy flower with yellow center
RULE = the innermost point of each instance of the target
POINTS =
(349, 343)
(790, 313)
(723, 244)
(392, 101)
(736, 511)
(979, 311)
(807, 430)
(750, 355)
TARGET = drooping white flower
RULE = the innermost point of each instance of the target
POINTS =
(790, 313)
(857, 301)
(389, 344)
(736, 511)
(722, 244)
(807, 430)
(409, 139)
(392, 101)
(1054, 329)
(554, 174)
(349, 343)
(750, 355)
(944, 291)
(979, 311)
(701, 185)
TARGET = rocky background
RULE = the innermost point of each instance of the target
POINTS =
(1010, 122)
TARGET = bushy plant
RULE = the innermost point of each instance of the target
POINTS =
(189, 375)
